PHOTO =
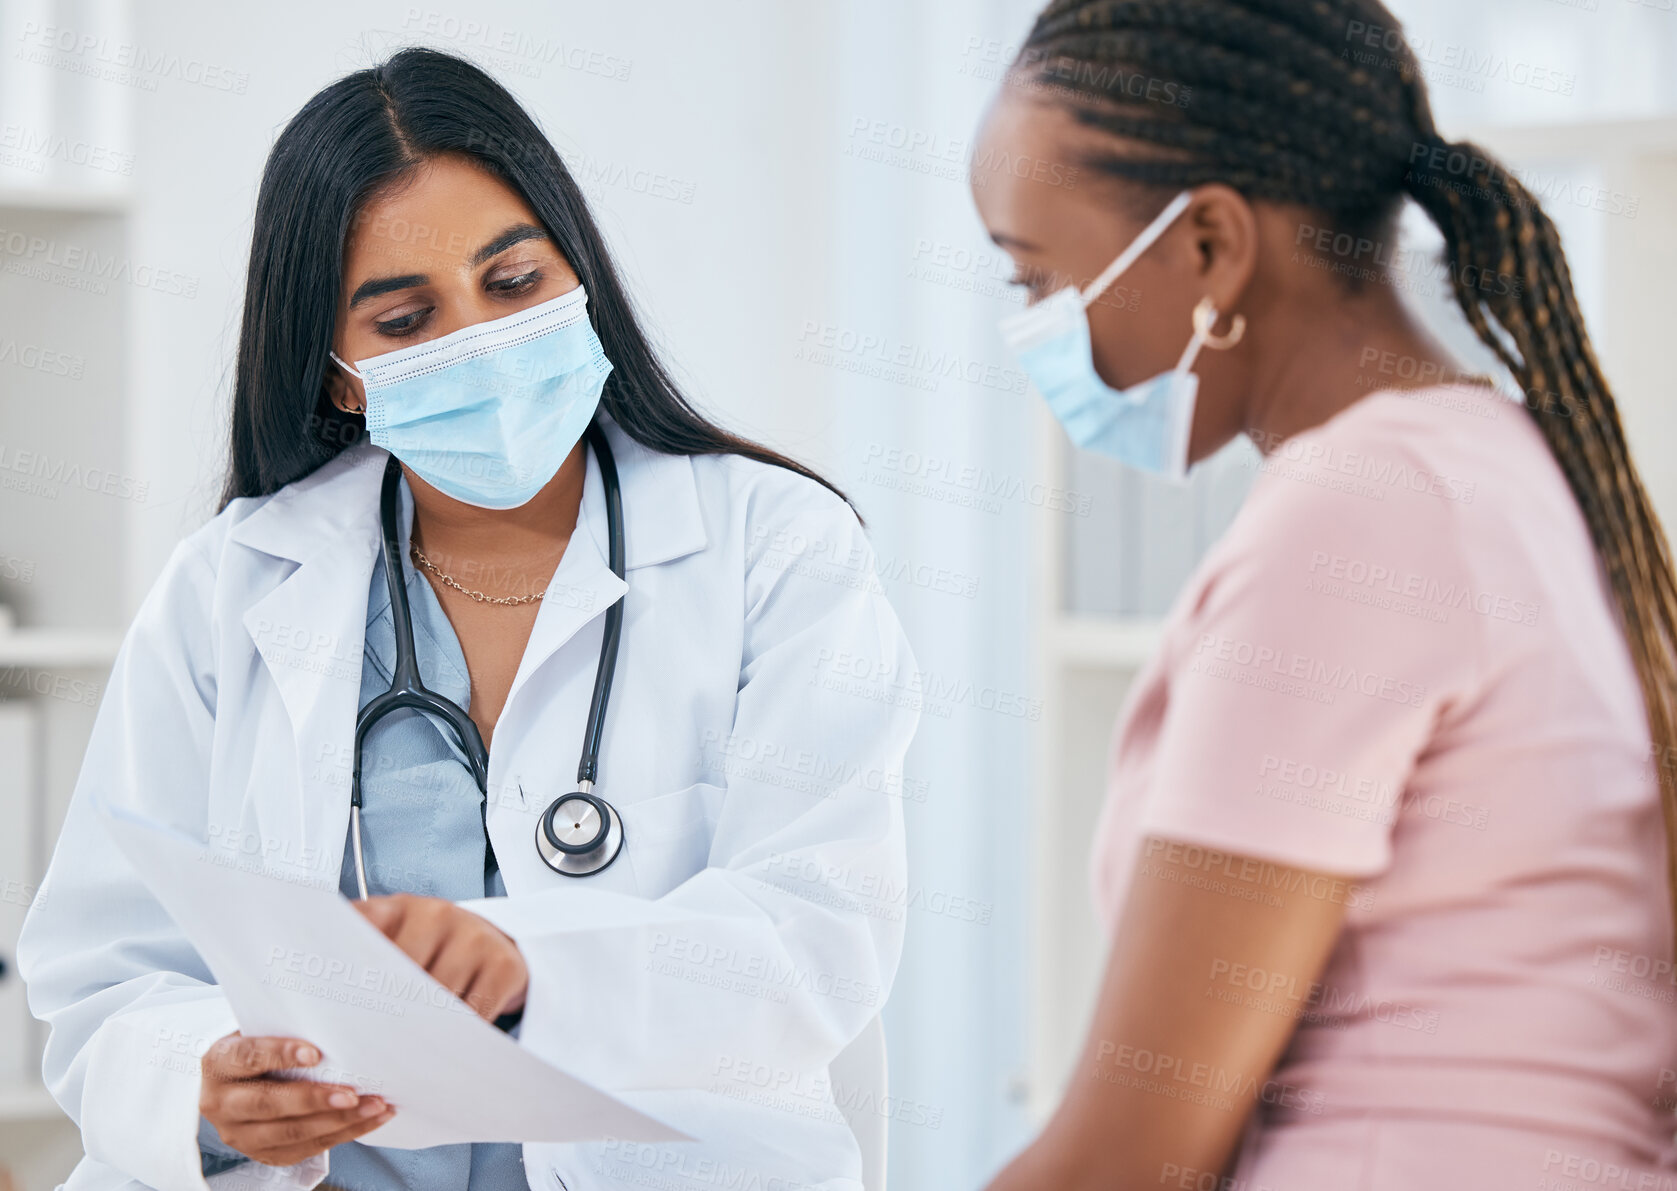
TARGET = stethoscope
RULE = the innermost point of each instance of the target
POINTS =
(580, 833)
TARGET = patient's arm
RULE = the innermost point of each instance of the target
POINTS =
(1180, 1050)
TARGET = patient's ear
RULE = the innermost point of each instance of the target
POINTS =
(1224, 240)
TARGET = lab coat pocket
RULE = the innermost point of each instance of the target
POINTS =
(667, 837)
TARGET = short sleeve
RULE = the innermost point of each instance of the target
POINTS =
(1310, 673)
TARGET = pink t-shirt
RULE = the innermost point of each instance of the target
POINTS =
(1401, 666)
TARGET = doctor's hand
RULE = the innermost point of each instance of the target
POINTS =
(464, 953)
(279, 1122)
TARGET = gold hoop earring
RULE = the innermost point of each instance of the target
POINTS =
(1205, 322)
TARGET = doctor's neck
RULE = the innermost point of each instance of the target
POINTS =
(531, 537)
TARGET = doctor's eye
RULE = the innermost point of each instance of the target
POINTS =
(403, 324)
(516, 284)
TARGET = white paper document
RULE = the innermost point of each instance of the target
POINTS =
(299, 961)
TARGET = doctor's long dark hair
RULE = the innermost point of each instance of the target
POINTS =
(355, 137)
(1321, 103)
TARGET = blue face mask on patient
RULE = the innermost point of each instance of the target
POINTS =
(488, 414)
(1145, 425)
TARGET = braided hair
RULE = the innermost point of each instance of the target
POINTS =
(1321, 103)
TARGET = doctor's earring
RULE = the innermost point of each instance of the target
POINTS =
(342, 396)
(346, 402)
(1205, 323)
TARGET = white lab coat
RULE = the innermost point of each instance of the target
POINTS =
(763, 703)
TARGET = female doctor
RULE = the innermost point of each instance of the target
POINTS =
(425, 274)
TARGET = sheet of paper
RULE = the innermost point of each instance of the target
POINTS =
(299, 961)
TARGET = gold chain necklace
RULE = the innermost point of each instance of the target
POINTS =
(480, 597)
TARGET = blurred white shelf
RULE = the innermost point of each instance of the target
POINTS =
(59, 647)
(75, 200)
(28, 1102)
(1590, 140)
(1101, 642)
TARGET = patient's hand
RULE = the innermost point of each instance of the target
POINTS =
(464, 953)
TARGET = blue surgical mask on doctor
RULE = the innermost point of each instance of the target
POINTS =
(488, 413)
(1145, 425)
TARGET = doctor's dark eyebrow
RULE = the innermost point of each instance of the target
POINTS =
(516, 234)
(379, 286)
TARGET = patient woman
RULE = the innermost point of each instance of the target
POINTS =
(1385, 859)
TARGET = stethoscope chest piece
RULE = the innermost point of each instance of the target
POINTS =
(579, 834)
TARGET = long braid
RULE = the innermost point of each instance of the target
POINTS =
(1288, 105)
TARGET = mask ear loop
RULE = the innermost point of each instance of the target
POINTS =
(344, 366)
(362, 409)
(1139, 245)
(1205, 322)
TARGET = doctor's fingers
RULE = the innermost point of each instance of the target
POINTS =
(289, 1141)
(258, 1100)
(418, 925)
(465, 953)
(487, 973)
(237, 1057)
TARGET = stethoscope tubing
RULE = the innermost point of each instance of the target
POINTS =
(588, 767)
(407, 691)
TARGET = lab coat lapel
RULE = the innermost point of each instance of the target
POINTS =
(310, 628)
(310, 631)
(661, 522)
(583, 585)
